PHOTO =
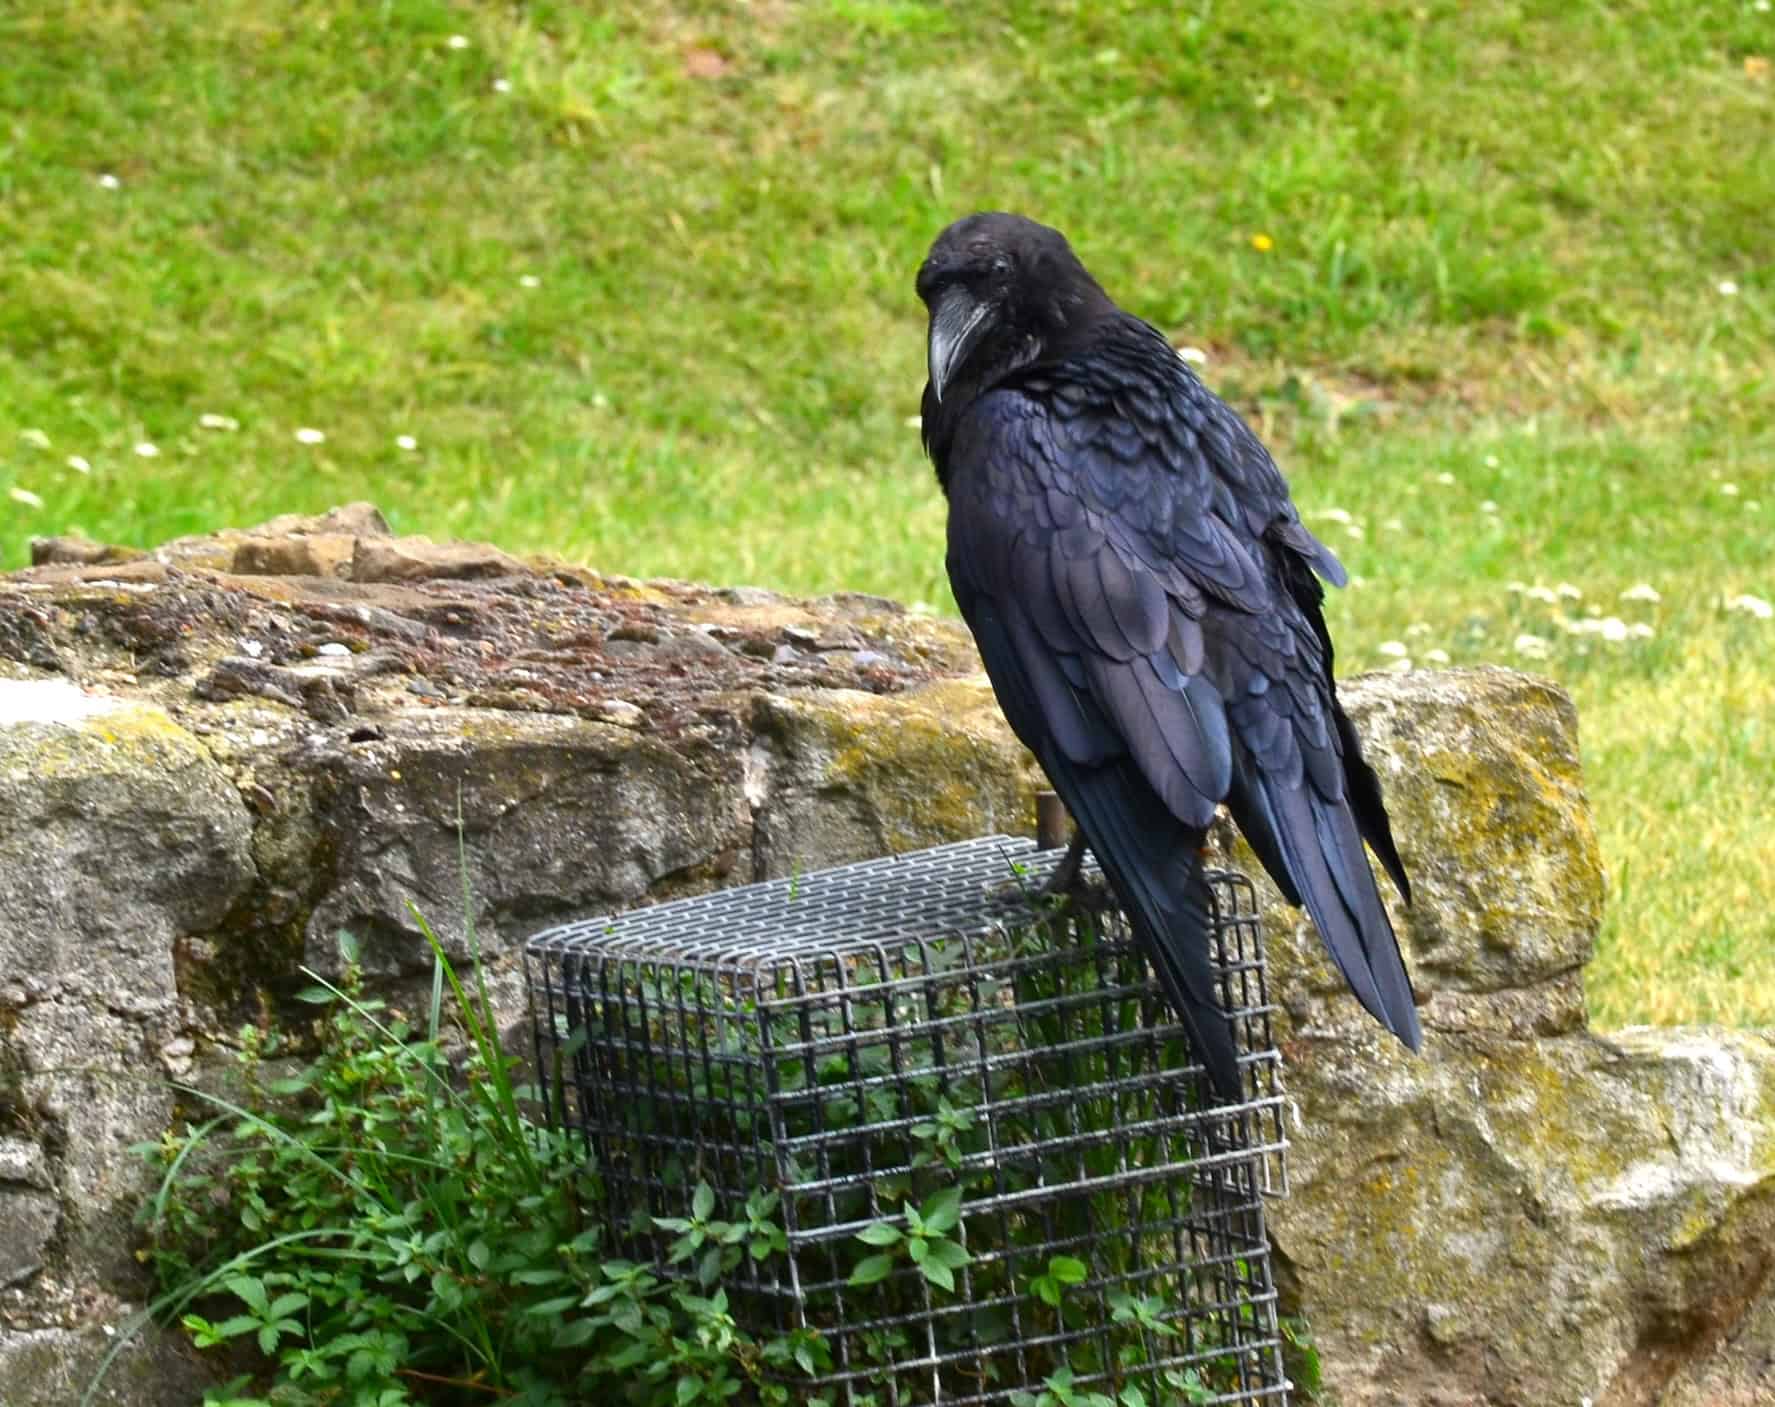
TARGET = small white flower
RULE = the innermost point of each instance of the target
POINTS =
(1194, 355)
(79, 464)
(1728, 288)
(1399, 666)
(1760, 6)
(1753, 505)
(1531, 647)
(1543, 594)
(209, 420)
(529, 281)
(36, 439)
(1569, 592)
(147, 450)
(1515, 588)
(406, 442)
(1418, 627)
(1334, 515)
(1639, 630)
(1729, 490)
(108, 182)
(1751, 606)
(1612, 629)
(502, 85)
(1354, 531)
(24, 496)
(1491, 461)
(1393, 647)
(1393, 525)
(1436, 656)
(1488, 506)
(1642, 591)
(1445, 478)
(457, 41)
(308, 435)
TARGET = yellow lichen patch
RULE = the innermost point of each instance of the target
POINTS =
(934, 765)
(110, 739)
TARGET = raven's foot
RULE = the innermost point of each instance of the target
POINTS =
(1065, 882)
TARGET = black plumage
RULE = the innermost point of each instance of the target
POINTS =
(1148, 605)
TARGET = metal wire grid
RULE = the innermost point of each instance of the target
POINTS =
(800, 1035)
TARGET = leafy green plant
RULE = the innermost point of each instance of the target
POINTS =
(1050, 1286)
(925, 1242)
(386, 1225)
(721, 1243)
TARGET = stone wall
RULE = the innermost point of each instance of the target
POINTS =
(215, 756)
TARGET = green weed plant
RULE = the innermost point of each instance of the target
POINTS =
(389, 1226)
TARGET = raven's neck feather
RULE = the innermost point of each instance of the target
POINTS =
(1052, 361)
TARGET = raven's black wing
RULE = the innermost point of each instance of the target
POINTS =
(1143, 597)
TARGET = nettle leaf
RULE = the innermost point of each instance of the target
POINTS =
(950, 1253)
(880, 1233)
(872, 1269)
(1068, 1270)
(942, 1211)
(938, 1274)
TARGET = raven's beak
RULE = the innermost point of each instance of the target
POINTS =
(956, 324)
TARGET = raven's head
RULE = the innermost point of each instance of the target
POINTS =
(1001, 290)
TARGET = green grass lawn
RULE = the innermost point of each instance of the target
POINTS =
(1495, 280)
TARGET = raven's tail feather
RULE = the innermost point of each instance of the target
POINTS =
(1153, 862)
(1312, 846)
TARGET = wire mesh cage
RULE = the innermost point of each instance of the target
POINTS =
(986, 1148)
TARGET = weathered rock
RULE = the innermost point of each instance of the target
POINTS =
(320, 554)
(555, 818)
(1522, 1214)
(1740, 1372)
(28, 1221)
(52, 1367)
(25, 638)
(420, 559)
(118, 833)
(1515, 1222)
(79, 551)
(840, 776)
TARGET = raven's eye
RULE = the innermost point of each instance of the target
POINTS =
(1001, 266)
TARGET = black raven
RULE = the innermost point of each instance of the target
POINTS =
(1147, 603)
